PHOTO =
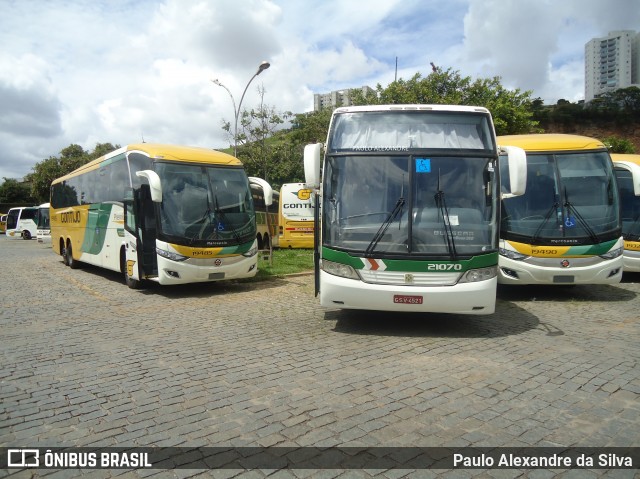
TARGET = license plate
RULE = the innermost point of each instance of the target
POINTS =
(407, 299)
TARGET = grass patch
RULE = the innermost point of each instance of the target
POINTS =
(285, 261)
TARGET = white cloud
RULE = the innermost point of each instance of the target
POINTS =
(84, 72)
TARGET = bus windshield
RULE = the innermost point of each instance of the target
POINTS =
(568, 196)
(43, 218)
(433, 206)
(400, 131)
(205, 204)
(630, 206)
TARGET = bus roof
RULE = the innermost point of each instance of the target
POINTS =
(626, 157)
(551, 142)
(187, 154)
(414, 107)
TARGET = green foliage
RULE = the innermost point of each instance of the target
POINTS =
(511, 109)
(263, 150)
(286, 261)
(13, 191)
(311, 127)
(71, 158)
(618, 145)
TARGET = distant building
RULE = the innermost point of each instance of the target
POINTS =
(611, 63)
(336, 98)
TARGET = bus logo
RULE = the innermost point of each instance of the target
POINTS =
(303, 195)
(565, 263)
(408, 278)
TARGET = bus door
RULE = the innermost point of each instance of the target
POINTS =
(140, 235)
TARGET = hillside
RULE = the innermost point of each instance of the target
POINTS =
(629, 132)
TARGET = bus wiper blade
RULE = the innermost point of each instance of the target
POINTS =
(444, 212)
(222, 215)
(384, 226)
(583, 222)
(206, 216)
(554, 207)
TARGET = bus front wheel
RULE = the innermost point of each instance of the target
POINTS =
(128, 280)
(26, 234)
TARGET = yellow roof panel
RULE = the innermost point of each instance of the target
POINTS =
(551, 142)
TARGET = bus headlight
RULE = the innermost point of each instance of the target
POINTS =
(481, 274)
(614, 253)
(339, 269)
(514, 255)
(170, 255)
(252, 252)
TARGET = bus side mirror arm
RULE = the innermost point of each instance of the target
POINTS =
(312, 165)
(154, 184)
(517, 159)
(266, 188)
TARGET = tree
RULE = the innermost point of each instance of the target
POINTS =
(257, 150)
(13, 191)
(512, 110)
(71, 158)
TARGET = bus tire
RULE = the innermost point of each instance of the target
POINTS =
(72, 263)
(128, 280)
(63, 252)
(26, 234)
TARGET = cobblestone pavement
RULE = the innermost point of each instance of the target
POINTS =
(87, 362)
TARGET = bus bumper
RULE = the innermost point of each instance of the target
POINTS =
(465, 298)
(200, 271)
(631, 261)
(550, 271)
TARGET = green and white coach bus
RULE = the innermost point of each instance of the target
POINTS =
(163, 213)
(407, 211)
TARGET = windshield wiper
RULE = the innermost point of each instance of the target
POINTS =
(583, 222)
(442, 207)
(384, 226)
(554, 207)
(224, 218)
(206, 217)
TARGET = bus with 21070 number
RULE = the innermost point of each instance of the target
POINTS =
(162, 213)
(409, 211)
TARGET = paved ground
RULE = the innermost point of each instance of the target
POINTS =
(87, 362)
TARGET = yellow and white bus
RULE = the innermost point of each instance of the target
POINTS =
(627, 170)
(296, 216)
(266, 218)
(163, 213)
(566, 228)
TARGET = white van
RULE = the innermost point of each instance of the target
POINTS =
(21, 222)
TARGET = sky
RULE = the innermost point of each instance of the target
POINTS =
(124, 71)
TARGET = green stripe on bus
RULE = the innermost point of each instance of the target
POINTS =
(410, 265)
(591, 250)
(96, 229)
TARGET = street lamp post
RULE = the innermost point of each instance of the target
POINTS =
(236, 111)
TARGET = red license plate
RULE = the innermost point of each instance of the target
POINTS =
(407, 299)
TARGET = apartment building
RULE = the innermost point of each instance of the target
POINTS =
(336, 98)
(611, 63)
